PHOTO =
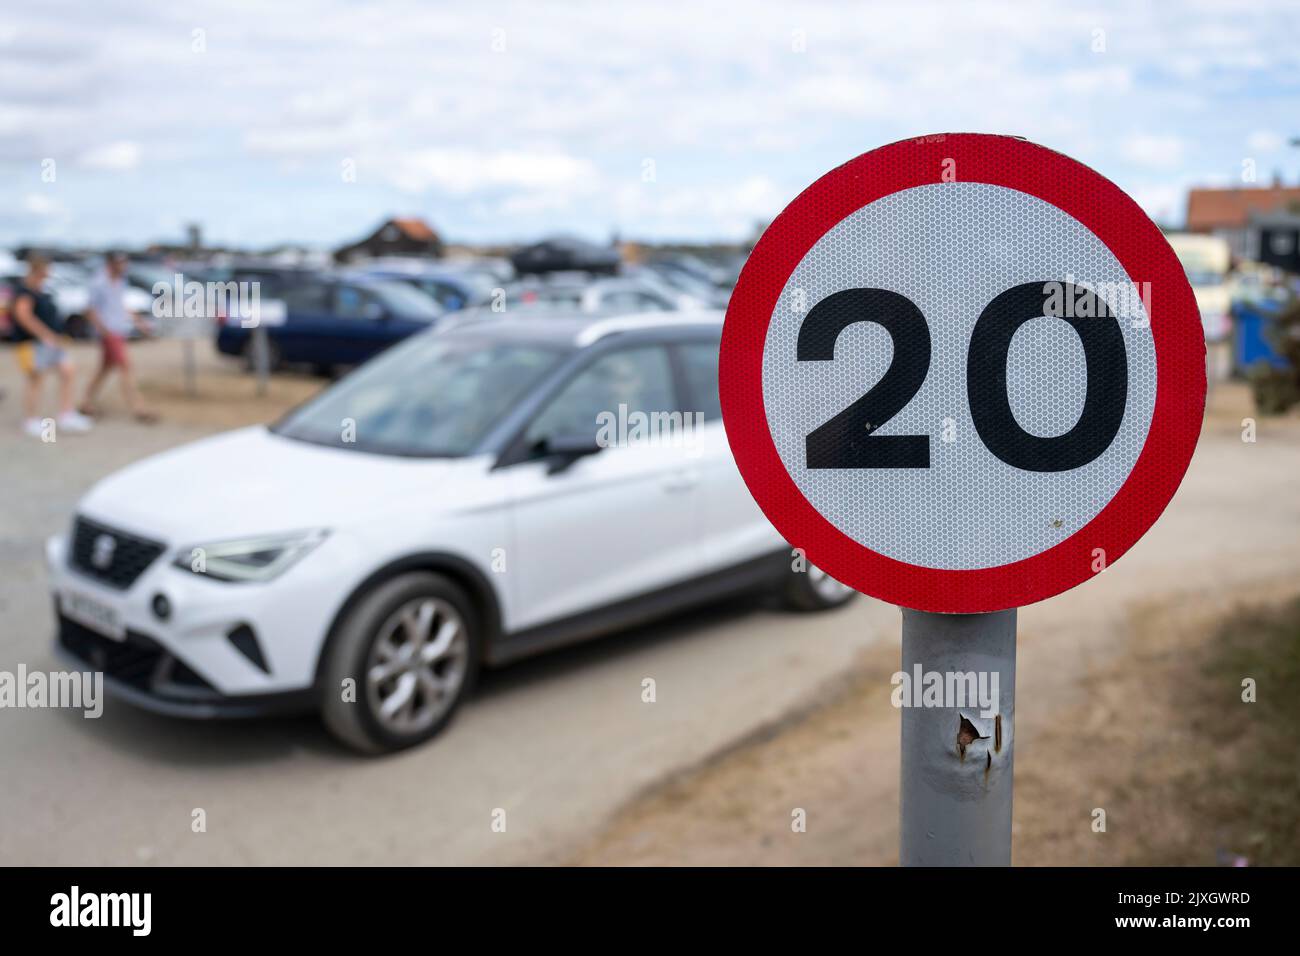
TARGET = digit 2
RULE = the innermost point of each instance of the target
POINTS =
(848, 439)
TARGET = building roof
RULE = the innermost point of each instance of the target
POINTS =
(1210, 209)
(415, 229)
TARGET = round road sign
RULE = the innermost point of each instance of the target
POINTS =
(962, 373)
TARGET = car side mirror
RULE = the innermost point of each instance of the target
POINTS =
(564, 450)
(374, 311)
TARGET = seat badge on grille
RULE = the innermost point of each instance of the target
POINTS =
(101, 552)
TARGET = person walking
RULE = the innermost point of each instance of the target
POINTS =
(107, 312)
(36, 330)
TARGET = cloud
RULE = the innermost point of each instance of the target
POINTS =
(1163, 202)
(1156, 152)
(464, 171)
(116, 157)
(1264, 141)
(247, 136)
(43, 207)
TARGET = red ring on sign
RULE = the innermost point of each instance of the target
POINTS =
(1113, 218)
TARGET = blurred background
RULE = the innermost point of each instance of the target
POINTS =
(448, 160)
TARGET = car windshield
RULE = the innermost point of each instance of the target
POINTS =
(1203, 277)
(406, 301)
(145, 275)
(434, 395)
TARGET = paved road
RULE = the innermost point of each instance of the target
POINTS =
(558, 743)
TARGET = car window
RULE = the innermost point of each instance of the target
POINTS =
(307, 298)
(450, 297)
(350, 302)
(700, 365)
(405, 300)
(542, 295)
(633, 300)
(430, 395)
(639, 379)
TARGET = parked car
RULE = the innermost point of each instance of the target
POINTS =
(272, 280)
(333, 321)
(581, 293)
(564, 254)
(1207, 260)
(451, 290)
(450, 505)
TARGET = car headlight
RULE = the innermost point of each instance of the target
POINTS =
(250, 559)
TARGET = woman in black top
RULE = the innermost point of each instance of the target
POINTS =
(36, 329)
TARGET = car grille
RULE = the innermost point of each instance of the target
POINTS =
(117, 565)
(138, 661)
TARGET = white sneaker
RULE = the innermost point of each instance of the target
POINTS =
(75, 422)
(34, 427)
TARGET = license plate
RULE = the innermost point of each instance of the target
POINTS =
(93, 614)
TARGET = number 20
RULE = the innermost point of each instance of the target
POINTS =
(848, 440)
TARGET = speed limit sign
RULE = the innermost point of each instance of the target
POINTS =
(962, 373)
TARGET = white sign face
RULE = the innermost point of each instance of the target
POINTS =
(967, 508)
(962, 373)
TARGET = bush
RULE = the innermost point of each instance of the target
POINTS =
(1278, 389)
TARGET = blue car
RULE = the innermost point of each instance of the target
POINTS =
(336, 321)
(451, 290)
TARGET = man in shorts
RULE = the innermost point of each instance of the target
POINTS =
(108, 314)
(36, 329)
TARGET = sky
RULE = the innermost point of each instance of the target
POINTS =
(121, 122)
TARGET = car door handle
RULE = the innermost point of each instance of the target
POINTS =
(682, 480)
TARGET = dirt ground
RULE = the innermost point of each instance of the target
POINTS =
(225, 394)
(1136, 712)
(1138, 745)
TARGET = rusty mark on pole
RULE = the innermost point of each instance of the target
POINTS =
(967, 734)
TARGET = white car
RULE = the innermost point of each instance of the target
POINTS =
(471, 496)
(607, 296)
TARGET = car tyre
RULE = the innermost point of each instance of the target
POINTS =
(411, 647)
(812, 589)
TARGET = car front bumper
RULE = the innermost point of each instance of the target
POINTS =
(186, 663)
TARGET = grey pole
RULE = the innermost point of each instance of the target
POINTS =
(261, 357)
(955, 792)
(190, 365)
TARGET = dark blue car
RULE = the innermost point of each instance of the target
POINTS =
(451, 290)
(336, 321)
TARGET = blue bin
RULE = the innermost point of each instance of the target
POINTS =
(1251, 322)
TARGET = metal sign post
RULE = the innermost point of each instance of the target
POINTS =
(955, 788)
(261, 358)
(264, 314)
(963, 373)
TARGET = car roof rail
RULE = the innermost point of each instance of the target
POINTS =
(601, 328)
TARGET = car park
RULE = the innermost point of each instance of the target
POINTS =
(471, 497)
(589, 295)
(452, 290)
(331, 321)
